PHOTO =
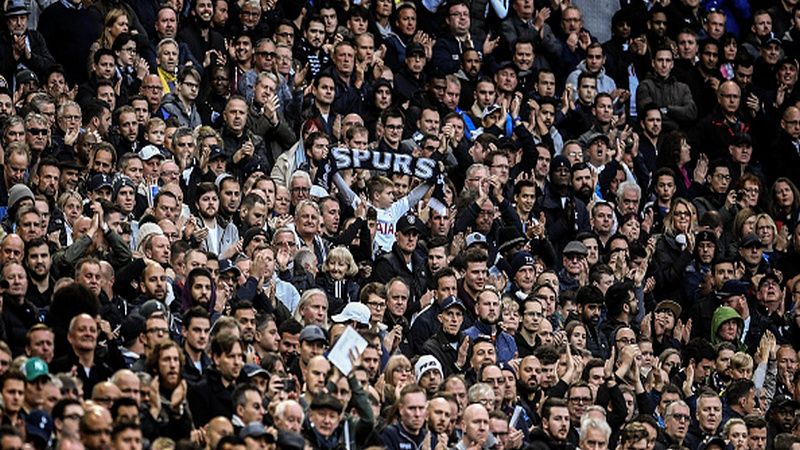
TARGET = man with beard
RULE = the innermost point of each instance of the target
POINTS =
(219, 239)
(622, 308)
(409, 431)
(565, 214)
(212, 396)
(153, 284)
(310, 48)
(487, 310)
(245, 314)
(38, 262)
(440, 413)
(590, 302)
(552, 434)
(169, 414)
(95, 428)
(230, 200)
(444, 345)
(196, 328)
(213, 103)
(203, 42)
(582, 183)
(650, 121)
(476, 428)
(603, 222)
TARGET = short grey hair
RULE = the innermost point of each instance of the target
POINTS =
(628, 186)
(594, 424)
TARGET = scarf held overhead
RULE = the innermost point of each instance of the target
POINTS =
(426, 169)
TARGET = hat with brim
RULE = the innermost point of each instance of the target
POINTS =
(732, 288)
(149, 152)
(226, 265)
(509, 236)
(751, 240)
(425, 364)
(575, 248)
(35, 368)
(326, 401)
(476, 239)
(354, 311)
(452, 302)
(415, 49)
(313, 333)
(592, 137)
(253, 430)
(671, 306)
(17, 8)
(407, 223)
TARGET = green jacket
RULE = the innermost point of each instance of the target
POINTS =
(722, 315)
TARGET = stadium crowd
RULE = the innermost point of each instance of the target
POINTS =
(411, 225)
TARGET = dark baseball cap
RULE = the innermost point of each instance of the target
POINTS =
(407, 223)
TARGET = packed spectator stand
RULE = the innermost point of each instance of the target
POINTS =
(410, 225)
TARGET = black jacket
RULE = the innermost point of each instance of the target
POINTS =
(392, 265)
(18, 318)
(40, 59)
(439, 345)
(210, 398)
(563, 222)
(539, 440)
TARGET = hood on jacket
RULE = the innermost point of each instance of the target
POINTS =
(722, 315)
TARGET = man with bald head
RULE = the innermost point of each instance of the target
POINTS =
(439, 416)
(128, 384)
(95, 428)
(11, 249)
(315, 375)
(105, 393)
(783, 159)
(476, 427)
(716, 130)
(217, 428)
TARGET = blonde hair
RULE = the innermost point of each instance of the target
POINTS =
(305, 299)
(730, 424)
(771, 224)
(155, 122)
(66, 196)
(395, 361)
(669, 227)
(106, 41)
(741, 360)
(341, 254)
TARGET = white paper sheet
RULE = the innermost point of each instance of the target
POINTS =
(338, 355)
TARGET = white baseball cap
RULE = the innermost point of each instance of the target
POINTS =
(354, 311)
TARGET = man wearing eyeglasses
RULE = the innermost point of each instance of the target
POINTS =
(180, 103)
(676, 423)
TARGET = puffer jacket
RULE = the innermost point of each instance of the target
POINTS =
(667, 93)
(171, 106)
